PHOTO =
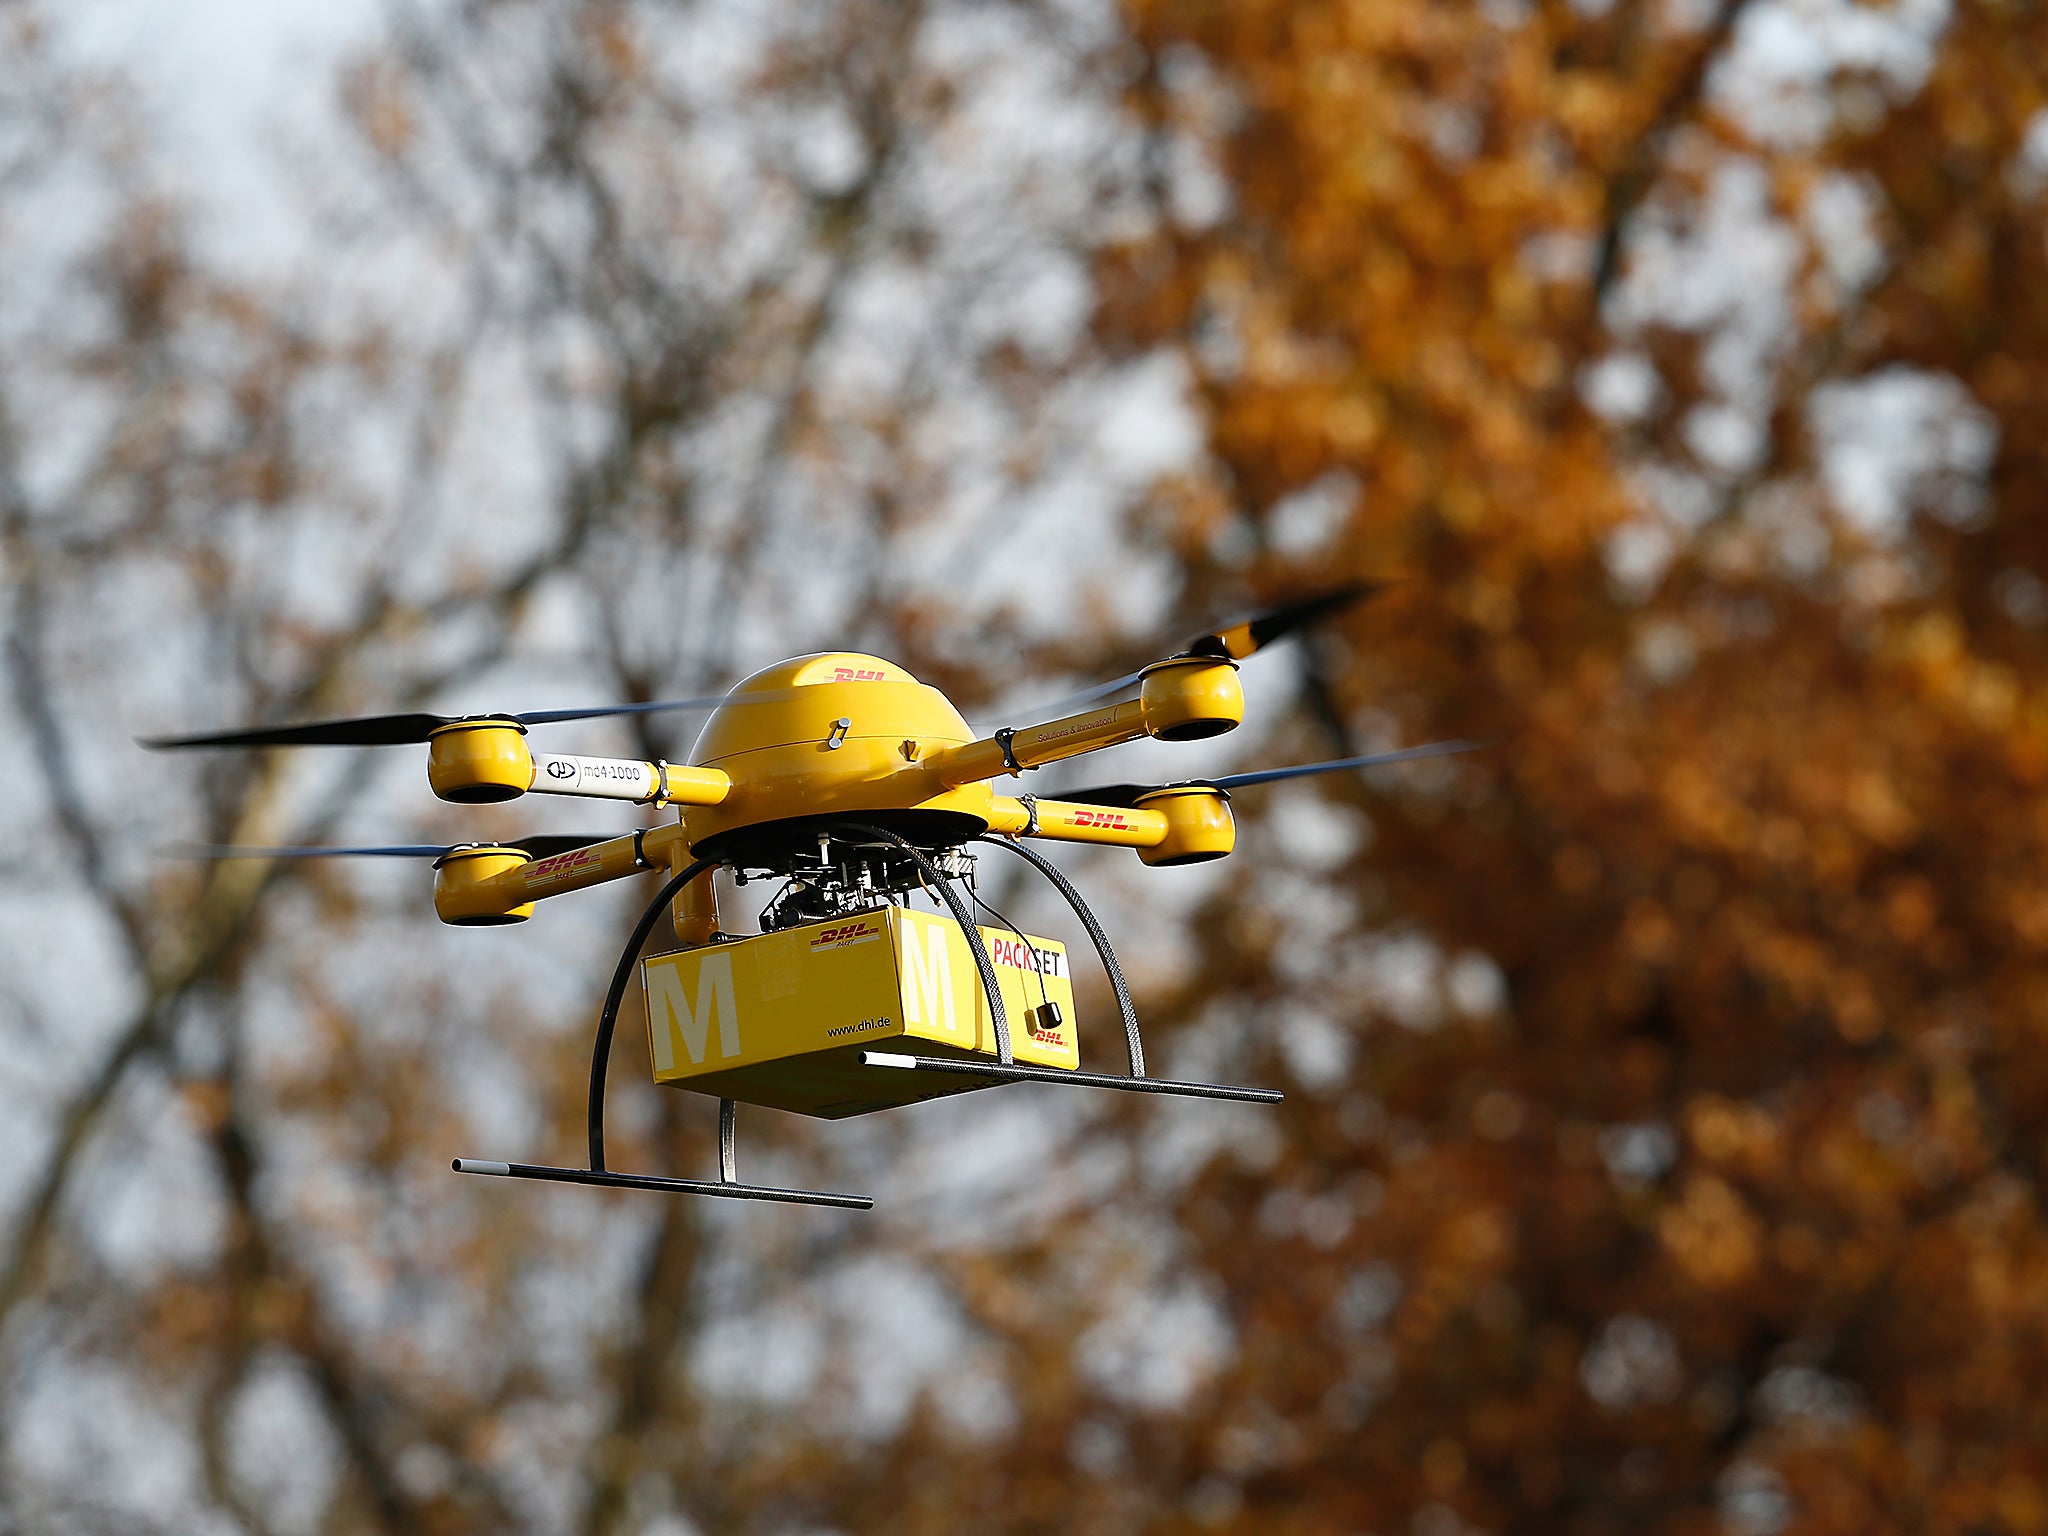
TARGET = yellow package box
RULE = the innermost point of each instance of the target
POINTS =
(782, 1019)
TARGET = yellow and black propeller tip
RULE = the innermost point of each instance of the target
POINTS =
(397, 730)
(1128, 795)
(1242, 637)
(541, 845)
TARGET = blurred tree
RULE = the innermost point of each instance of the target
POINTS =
(640, 347)
(1688, 1171)
(1666, 1113)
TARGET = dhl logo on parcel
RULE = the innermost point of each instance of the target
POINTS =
(839, 935)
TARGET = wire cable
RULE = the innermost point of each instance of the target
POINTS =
(965, 919)
(1133, 1046)
(1035, 961)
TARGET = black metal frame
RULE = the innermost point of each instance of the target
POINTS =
(727, 1185)
(1009, 1071)
(1003, 1070)
(997, 1072)
(605, 1180)
(1134, 1047)
(998, 1018)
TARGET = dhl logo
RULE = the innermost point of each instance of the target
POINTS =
(856, 674)
(842, 934)
(1113, 820)
(562, 863)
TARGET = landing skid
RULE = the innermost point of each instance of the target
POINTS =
(998, 1073)
(729, 1191)
(727, 1187)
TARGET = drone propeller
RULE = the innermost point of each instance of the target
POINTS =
(1241, 637)
(542, 845)
(1127, 795)
(396, 730)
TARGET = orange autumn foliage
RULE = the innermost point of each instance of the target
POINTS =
(1760, 853)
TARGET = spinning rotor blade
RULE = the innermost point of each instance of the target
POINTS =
(1242, 637)
(542, 845)
(395, 730)
(550, 716)
(371, 731)
(1342, 764)
(545, 845)
(1099, 691)
(1126, 795)
(1122, 796)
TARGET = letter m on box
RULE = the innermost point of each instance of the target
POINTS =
(673, 1017)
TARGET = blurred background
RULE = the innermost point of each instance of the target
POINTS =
(1667, 1086)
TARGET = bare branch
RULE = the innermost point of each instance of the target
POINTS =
(1632, 180)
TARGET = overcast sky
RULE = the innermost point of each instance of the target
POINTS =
(227, 84)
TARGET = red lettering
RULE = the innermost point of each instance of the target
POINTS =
(563, 862)
(835, 935)
(1109, 819)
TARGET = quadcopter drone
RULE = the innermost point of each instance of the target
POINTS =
(859, 787)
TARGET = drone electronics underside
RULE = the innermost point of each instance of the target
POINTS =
(859, 787)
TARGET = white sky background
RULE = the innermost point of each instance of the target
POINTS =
(228, 85)
(239, 96)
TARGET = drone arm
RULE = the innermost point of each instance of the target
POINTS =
(1183, 698)
(1035, 746)
(508, 890)
(1063, 822)
(622, 778)
(1181, 824)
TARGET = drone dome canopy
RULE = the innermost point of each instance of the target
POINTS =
(819, 737)
(802, 701)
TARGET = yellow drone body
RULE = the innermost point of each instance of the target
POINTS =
(826, 737)
(819, 739)
(823, 738)
(860, 789)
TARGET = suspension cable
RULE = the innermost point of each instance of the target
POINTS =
(1036, 963)
(1133, 1046)
(965, 918)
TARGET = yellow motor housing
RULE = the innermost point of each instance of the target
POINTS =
(1189, 697)
(458, 880)
(1199, 826)
(476, 762)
